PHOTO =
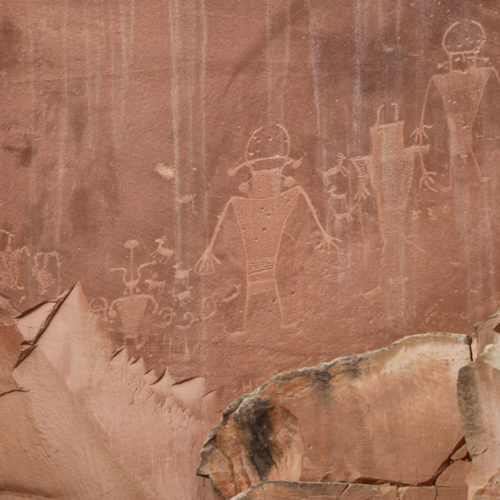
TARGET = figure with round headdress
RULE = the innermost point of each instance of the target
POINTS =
(460, 88)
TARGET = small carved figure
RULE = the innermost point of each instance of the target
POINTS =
(100, 307)
(181, 275)
(45, 269)
(131, 283)
(154, 285)
(162, 253)
(187, 199)
(10, 262)
(184, 297)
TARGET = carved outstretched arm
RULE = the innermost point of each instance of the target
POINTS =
(206, 263)
(328, 242)
(420, 132)
(426, 178)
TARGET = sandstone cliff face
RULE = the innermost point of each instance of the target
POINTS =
(387, 416)
(242, 189)
(382, 424)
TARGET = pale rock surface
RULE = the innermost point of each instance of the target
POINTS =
(479, 397)
(363, 418)
(50, 447)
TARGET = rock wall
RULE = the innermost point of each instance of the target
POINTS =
(241, 189)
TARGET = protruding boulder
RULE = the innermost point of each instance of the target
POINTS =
(479, 396)
(389, 415)
(487, 332)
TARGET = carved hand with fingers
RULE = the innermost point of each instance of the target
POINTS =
(427, 180)
(420, 133)
(327, 243)
(206, 263)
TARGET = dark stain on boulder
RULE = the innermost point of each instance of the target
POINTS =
(253, 419)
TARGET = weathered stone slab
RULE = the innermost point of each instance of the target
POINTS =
(356, 419)
(279, 490)
(417, 493)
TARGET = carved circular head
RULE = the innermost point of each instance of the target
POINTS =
(464, 37)
(268, 143)
(268, 148)
(131, 244)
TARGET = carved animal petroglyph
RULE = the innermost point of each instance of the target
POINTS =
(209, 306)
(183, 297)
(232, 293)
(154, 285)
(263, 215)
(162, 253)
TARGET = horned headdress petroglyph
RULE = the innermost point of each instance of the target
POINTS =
(263, 214)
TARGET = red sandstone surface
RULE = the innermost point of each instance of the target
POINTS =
(197, 196)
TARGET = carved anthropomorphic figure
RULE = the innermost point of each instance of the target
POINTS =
(460, 88)
(263, 214)
(390, 169)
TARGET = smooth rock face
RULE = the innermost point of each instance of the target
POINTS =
(356, 419)
(50, 446)
(479, 397)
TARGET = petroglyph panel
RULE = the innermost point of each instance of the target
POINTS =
(242, 188)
